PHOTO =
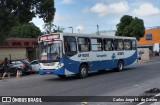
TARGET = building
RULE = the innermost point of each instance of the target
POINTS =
(149, 44)
(151, 39)
(19, 48)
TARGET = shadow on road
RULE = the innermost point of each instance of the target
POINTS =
(92, 74)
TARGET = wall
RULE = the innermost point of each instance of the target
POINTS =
(14, 53)
(156, 47)
(144, 53)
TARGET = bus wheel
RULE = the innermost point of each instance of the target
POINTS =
(62, 76)
(120, 66)
(83, 71)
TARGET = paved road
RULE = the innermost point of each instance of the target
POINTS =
(133, 81)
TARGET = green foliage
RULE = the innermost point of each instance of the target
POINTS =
(46, 10)
(58, 29)
(25, 31)
(130, 27)
(15, 14)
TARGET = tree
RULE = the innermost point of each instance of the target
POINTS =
(25, 31)
(130, 27)
(46, 10)
(51, 28)
(58, 29)
(25, 10)
(14, 13)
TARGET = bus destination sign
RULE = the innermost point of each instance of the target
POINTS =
(49, 37)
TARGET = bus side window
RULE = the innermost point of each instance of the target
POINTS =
(127, 44)
(96, 44)
(70, 46)
(108, 44)
(118, 44)
(83, 44)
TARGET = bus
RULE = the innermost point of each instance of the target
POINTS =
(64, 54)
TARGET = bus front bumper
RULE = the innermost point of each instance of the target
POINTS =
(59, 71)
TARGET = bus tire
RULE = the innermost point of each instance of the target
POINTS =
(120, 65)
(61, 76)
(83, 71)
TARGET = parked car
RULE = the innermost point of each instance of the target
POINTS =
(35, 66)
(22, 66)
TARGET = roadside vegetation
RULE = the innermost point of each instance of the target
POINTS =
(16, 17)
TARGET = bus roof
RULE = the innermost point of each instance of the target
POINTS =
(88, 35)
(96, 36)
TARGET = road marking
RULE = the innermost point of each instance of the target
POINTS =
(145, 101)
(84, 103)
(136, 85)
(141, 103)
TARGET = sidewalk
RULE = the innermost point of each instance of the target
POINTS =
(153, 59)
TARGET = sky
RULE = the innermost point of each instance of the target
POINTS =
(85, 15)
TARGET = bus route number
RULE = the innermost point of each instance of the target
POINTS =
(83, 55)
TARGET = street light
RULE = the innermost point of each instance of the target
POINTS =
(71, 28)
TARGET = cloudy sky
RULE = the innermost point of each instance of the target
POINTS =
(85, 15)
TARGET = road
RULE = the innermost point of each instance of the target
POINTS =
(133, 81)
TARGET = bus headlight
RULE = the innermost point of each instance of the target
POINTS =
(60, 65)
(40, 67)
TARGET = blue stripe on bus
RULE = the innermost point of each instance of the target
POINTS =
(73, 66)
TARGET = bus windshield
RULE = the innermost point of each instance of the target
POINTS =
(50, 51)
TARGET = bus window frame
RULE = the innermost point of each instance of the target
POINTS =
(130, 44)
(117, 46)
(79, 45)
(66, 40)
(98, 44)
(112, 44)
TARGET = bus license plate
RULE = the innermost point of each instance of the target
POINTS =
(48, 72)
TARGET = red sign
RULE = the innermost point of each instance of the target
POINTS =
(43, 57)
(49, 37)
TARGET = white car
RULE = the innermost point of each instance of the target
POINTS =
(35, 66)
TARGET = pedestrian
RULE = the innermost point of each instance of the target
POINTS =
(1, 70)
(5, 68)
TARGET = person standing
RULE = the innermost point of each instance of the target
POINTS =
(5, 67)
(1, 71)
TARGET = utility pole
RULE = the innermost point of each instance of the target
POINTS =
(71, 28)
(97, 29)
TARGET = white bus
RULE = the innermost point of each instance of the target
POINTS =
(65, 54)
